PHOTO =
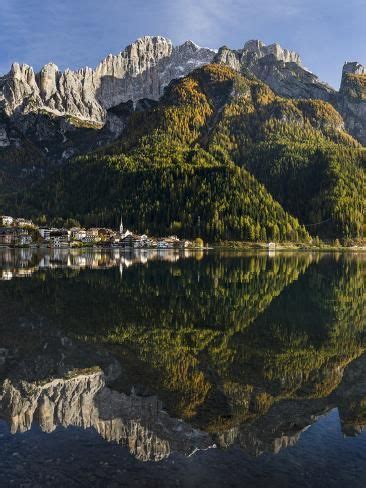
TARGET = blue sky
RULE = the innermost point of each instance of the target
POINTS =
(75, 33)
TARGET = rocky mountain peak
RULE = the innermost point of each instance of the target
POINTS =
(20, 69)
(140, 71)
(229, 57)
(253, 45)
(47, 81)
(352, 67)
(279, 68)
(191, 44)
(252, 54)
(143, 53)
(351, 100)
(17, 86)
(261, 50)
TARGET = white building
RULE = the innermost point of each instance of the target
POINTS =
(73, 232)
(79, 235)
(59, 238)
(162, 245)
(23, 222)
(59, 241)
(6, 275)
(6, 220)
(45, 233)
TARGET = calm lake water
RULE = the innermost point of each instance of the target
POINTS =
(190, 370)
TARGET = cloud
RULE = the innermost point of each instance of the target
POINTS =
(211, 20)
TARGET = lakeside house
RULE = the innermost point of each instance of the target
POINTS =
(59, 238)
(12, 236)
(105, 234)
(55, 237)
(91, 236)
(6, 275)
(79, 235)
(6, 236)
(6, 220)
(45, 232)
(74, 231)
(20, 222)
(162, 244)
(131, 240)
(23, 239)
(93, 232)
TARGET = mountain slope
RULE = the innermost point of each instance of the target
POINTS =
(50, 116)
(183, 165)
(283, 72)
(164, 179)
(300, 151)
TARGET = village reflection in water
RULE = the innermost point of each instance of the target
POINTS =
(22, 263)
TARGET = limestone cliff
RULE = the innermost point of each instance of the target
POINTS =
(142, 70)
(351, 100)
(281, 69)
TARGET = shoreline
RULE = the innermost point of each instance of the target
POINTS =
(233, 246)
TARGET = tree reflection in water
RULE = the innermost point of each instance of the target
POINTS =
(248, 349)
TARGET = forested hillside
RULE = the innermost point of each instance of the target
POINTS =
(223, 157)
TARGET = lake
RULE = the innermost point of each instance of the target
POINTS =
(187, 369)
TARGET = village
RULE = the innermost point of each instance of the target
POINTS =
(20, 232)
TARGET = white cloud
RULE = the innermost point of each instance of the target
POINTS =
(210, 20)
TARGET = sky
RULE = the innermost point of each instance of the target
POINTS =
(77, 33)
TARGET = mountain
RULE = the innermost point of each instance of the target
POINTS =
(243, 144)
(279, 68)
(197, 157)
(351, 101)
(282, 70)
(50, 116)
(67, 113)
(142, 70)
(91, 98)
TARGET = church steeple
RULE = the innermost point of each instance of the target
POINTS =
(121, 227)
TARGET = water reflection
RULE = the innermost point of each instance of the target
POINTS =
(26, 261)
(248, 350)
(80, 398)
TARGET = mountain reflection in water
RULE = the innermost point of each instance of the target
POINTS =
(174, 352)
